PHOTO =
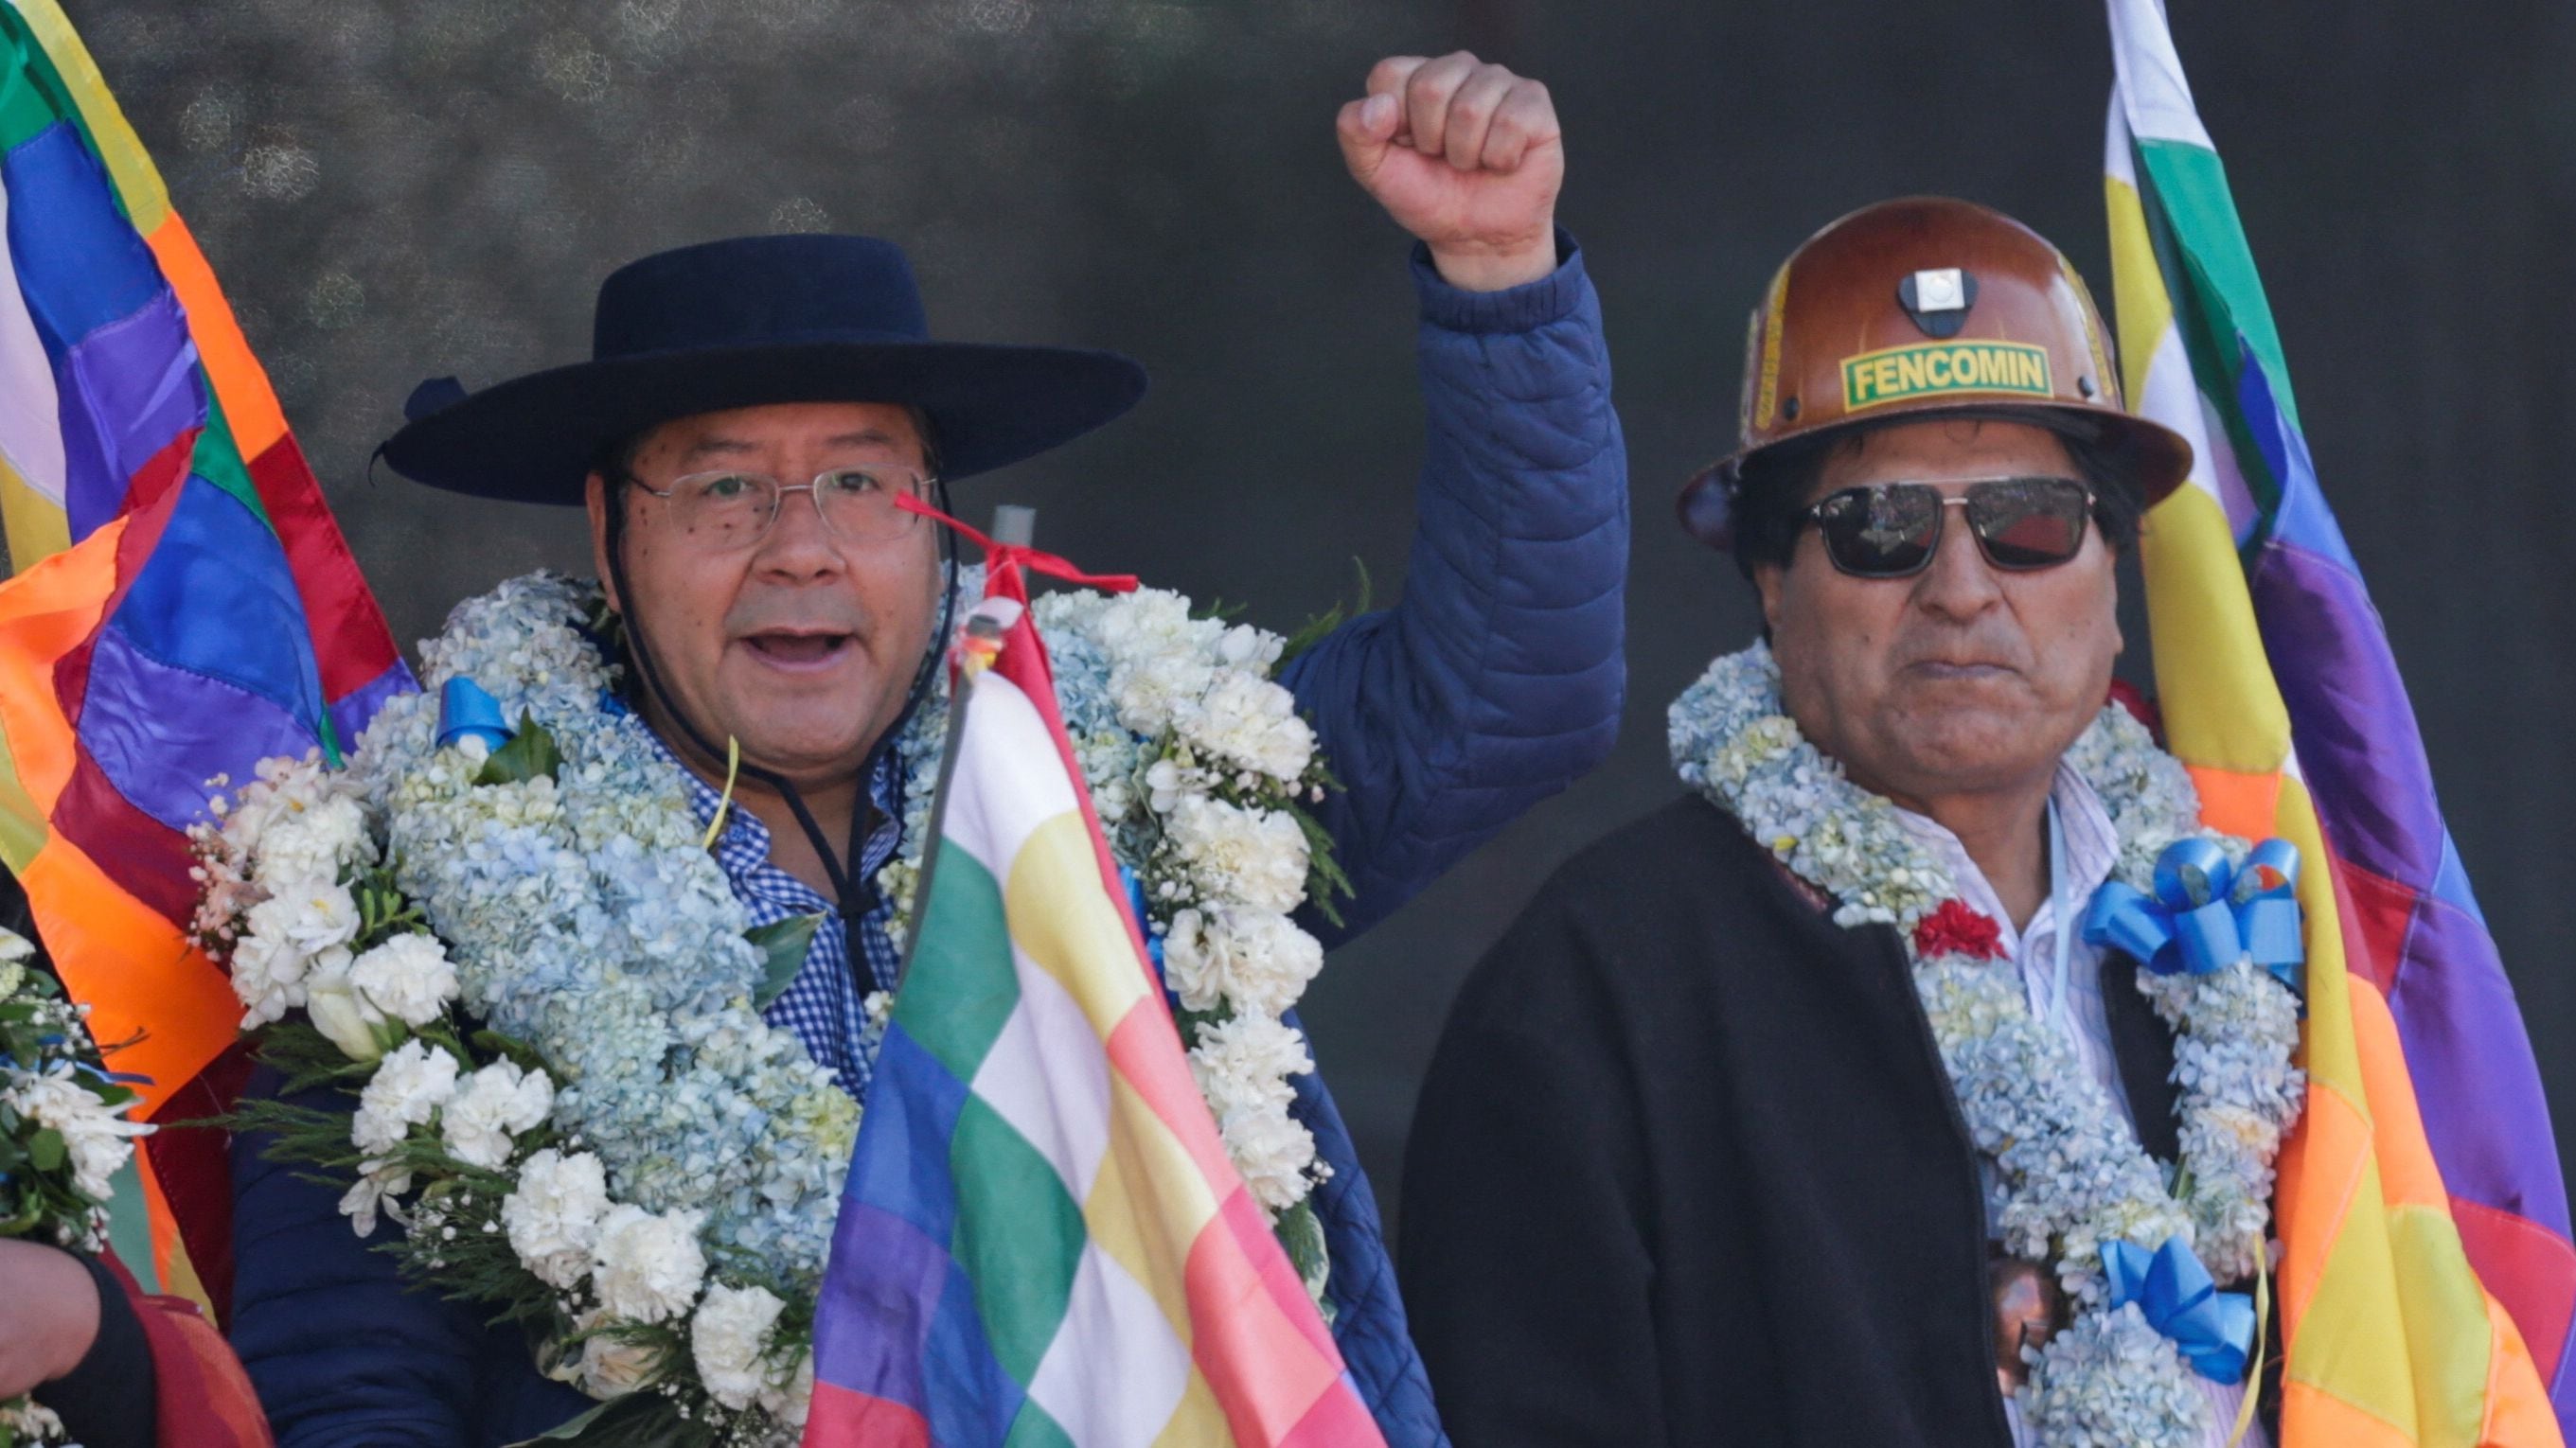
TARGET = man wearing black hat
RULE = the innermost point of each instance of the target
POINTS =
(779, 642)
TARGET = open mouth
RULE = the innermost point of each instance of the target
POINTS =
(798, 650)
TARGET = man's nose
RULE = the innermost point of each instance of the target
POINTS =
(1959, 582)
(800, 541)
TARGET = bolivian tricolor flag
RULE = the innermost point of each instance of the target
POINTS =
(182, 605)
(2428, 1280)
(1041, 1240)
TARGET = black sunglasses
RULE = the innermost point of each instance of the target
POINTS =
(1891, 530)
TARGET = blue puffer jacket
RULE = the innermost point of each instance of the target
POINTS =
(1494, 683)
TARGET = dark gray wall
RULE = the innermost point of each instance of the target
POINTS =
(393, 188)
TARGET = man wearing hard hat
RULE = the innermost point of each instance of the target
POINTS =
(1822, 1105)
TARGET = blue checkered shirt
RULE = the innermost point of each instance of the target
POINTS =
(824, 1005)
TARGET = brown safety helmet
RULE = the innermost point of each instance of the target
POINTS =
(1925, 305)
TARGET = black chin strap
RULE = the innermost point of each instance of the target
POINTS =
(853, 897)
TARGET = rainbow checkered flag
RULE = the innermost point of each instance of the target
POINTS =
(1041, 1240)
(2427, 1278)
(181, 606)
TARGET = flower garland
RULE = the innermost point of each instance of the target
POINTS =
(2073, 1174)
(63, 1136)
(1198, 765)
(539, 983)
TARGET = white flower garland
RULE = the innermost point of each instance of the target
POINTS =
(63, 1136)
(2073, 1172)
(629, 1150)
(1196, 762)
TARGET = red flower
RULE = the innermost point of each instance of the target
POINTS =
(1954, 929)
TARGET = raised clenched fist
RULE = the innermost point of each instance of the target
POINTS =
(1465, 155)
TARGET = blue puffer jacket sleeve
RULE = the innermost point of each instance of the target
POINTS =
(339, 1349)
(1496, 681)
(1493, 684)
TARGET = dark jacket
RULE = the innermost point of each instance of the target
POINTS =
(1495, 682)
(110, 1400)
(1688, 1170)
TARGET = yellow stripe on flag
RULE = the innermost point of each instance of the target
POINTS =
(1198, 1421)
(2141, 312)
(1149, 1203)
(2213, 680)
(1063, 921)
(38, 527)
(129, 166)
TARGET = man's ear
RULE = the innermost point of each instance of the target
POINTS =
(1768, 581)
(596, 502)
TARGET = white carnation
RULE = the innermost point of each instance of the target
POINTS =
(554, 1214)
(1254, 856)
(646, 1268)
(1256, 960)
(1243, 1065)
(315, 841)
(408, 1088)
(1271, 1152)
(496, 1104)
(1161, 659)
(268, 976)
(728, 1337)
(1251, 722)
(310, 915)
(1250, 648)
(409, 977)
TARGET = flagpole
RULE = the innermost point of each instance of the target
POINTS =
(1013, 526)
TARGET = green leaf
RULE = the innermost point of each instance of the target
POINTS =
(1316, 629)
(1194, 1024)
(782, 943)
(519, 1053)
(530, 753)
(46, 1150)
(1301, 1232)
(641, 1419)
(1325, 880)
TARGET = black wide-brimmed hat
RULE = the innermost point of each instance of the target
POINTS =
(743, 323)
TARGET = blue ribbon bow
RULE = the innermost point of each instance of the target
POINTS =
(2214, 1329)
(465, 709)
(2207, 914)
